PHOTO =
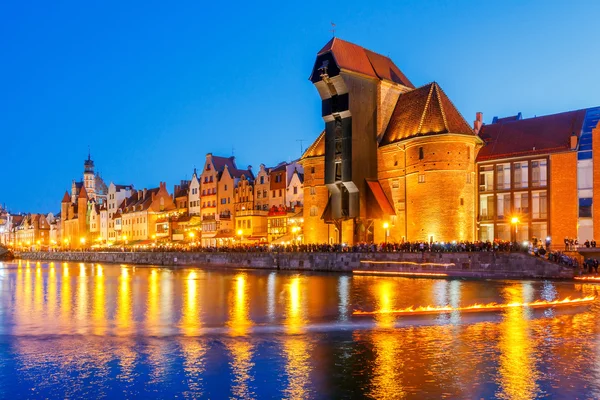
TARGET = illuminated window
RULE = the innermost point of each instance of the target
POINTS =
(421, 178)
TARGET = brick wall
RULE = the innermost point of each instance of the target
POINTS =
(563, 196)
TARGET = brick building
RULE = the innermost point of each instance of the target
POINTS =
(536, 177)
(407, 174)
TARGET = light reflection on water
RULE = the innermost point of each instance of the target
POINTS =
(103, 331)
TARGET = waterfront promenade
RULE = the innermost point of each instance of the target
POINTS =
(493, 265)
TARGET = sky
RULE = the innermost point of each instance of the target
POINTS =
(151, 87)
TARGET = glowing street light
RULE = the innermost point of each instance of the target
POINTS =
(386, 226)
(241, 235)
(515, 221)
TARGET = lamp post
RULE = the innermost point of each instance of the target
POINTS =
(82, 241)
(515, 222)
(386, 226)
(241, 235)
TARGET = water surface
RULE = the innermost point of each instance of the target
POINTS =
(108, 331)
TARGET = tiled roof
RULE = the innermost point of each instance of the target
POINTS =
(237, 173)
(424, 111)
(317, 149)
(355, 58)
(66, 198)
(220, 162)
(83, 193)
(546, 134)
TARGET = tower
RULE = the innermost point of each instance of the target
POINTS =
(89, 177)
(355, 85)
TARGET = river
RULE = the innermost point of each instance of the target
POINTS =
(107, 331)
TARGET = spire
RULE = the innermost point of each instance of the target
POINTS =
(66, 198)
(83, 193)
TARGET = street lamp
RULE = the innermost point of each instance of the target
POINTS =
(515, 221)
(241, 235)
(386, 226)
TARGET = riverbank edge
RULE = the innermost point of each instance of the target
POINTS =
(487, 265)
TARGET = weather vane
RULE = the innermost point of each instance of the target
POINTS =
(333, 29)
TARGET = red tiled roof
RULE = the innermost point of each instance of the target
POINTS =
(220, 162)
(380, 197)
(66, 198)
(424, 111)
(355, 58)
(83, 193)
(546, 134)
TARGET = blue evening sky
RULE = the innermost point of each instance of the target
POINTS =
(152, 86)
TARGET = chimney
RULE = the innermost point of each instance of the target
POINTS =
(573, 141)
(145, 191)
(478, 122)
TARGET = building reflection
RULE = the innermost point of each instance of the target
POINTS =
(99, 309)
(124, 310)
(517, 364)
(190, 320)
(241, 350)
(239, 322)
(385, 304)
(65, 297)
(297, 348)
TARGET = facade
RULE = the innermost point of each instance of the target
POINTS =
(251, 219)
(194, 194)
(33, 231)
(115, 197)
(139, 214)
(262, 189)
(541, 185)
(415, 158)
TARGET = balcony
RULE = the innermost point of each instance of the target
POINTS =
(225, 217)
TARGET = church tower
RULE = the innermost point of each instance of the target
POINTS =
(89, 177)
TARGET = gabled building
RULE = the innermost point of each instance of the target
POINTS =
(194, 194)
(262, 189)
(33, 231)
(141, 212)
(250, 220)
(115, 197)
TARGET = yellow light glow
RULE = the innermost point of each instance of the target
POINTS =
(191, 234)
(240, 232)
(514, 220)
(399, 273)
(386, 225)
(82, 240)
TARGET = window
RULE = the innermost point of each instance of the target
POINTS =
(225, 187)
(280, 193)
(521, 171)
(274, 193)
(312, 170)
(421, 178)
(313, 190)
(313, 211)
(538, 205)
(468, 177)
(503, 176)
(539, 173)
(223, 201)
(395, 184)
(278, 178)
(421, 154)
(265, 194)
(584, 174)
(462, 201)
(295, 189)
(486, 178)
(503, 206)
(585, 208)
(521, 205)
(258, 194)
(338, 171)
(486, 206)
